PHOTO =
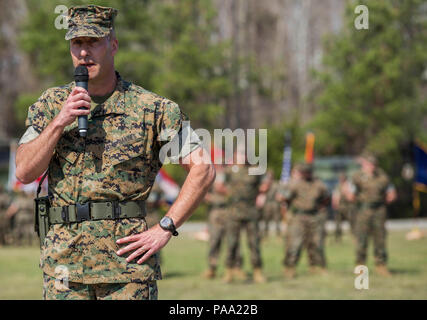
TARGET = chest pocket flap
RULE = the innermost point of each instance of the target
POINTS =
(125, 149)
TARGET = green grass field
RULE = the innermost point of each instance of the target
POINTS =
(184, 259)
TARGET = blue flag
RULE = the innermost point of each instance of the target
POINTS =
(286, 163)
(421, 167)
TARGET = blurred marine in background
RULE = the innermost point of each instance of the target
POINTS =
(244, 189)
(343, 209)
(307, 199)
(371, 190)
(217, 227)
(271, 211)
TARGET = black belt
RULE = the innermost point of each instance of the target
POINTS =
(107, 210)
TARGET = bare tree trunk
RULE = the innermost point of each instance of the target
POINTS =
(14, 68)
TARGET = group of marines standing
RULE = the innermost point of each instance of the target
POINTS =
(239, 201)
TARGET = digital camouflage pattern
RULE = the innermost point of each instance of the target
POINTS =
(305, 195)
(118, 160)
(373, 189)
(5, 226)
(243, 213)
(370, 193)
(23, 231)
(135, 290)
(90, 21)
(371, 222)
(306, 230)
(271, 209)
(217, 225)
(307, 199)
(346, 211)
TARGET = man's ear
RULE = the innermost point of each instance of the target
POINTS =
(114, 47)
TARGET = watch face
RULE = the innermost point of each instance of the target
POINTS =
(166, 222)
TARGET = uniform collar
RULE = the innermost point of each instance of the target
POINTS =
(115, 104)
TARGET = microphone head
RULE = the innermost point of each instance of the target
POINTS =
(81, 74)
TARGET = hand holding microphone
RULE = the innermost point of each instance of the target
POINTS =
(76, 105)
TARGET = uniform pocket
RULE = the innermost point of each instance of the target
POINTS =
(119, 154)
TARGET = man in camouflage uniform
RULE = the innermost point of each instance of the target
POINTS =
(371, 190)
(4, 219)
(271, 210)
(22, 209)
(343, 208)
(307, 198)
(243, 190)
(217, 224)
(98, 240)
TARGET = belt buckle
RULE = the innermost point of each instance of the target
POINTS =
(65, 214)
(82, 212)
(117, 210)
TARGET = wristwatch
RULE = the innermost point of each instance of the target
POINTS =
(167, 224)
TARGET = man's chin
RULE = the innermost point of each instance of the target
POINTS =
(93, 75)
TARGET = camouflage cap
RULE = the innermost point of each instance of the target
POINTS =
(369, 156)
(90, 21)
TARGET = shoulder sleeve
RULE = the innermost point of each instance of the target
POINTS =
(169, 121)
(39, 113)
(173, 128)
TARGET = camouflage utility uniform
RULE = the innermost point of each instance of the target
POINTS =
(307, 199)
(346, 211)
(243, 216)
(217, 223)
(4, 221)
(23, 232)
(370, 192)
(271, 210)
(118, 160)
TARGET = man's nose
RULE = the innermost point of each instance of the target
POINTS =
(84, 51)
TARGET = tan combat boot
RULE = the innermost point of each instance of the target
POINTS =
(289, 273)
(228, 275)
(382, 271)
(318, 270)
(239, 274)
(209, 274)
(258, 277)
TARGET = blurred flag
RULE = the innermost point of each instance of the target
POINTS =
(287, 159)
(309, 147)
(168, 186)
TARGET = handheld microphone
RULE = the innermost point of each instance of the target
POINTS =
(81, 77)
